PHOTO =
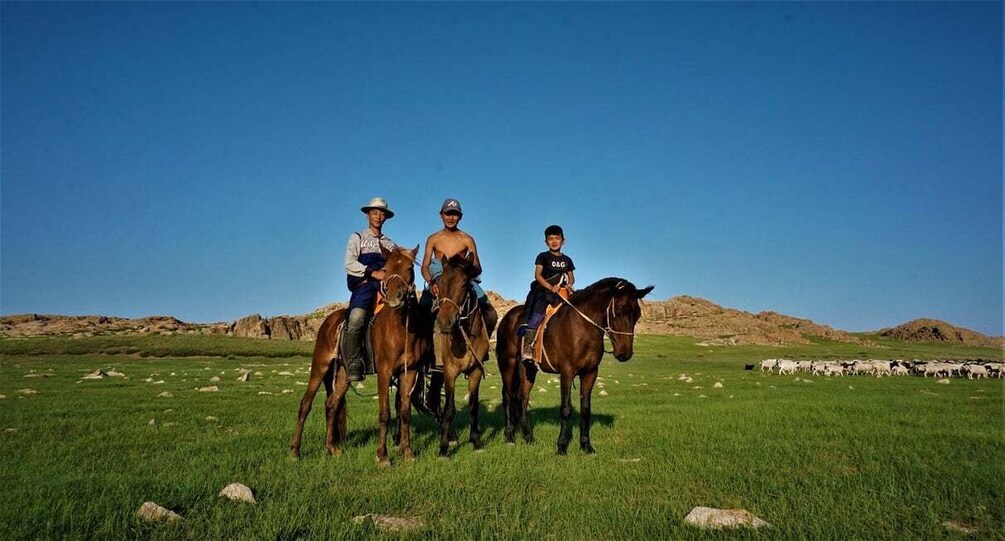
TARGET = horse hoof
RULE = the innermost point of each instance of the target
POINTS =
(588, 449)
(443, 458)
(383, 463)
(562, 452)
(294, 455)
(479, 449)
(511, 443)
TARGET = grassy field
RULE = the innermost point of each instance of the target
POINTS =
(818, 458)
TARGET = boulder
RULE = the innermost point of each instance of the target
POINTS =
(210, 389)
(252, 326)
(285, 328)
(165, 394)
(388, 523)
(238, 492)
(710, 517)
(151, 512)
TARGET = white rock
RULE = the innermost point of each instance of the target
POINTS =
(27, 391)
(258, 373)
(245, 376)
(264, 392)
(165, 394)
(542, 390)
(214, 379)
(287, 391)
(97, 374)
(702, 396)
(152, 422)
(211, 418)
(2, 396)
(210, 389)
(151, 512)
(286, 373)
(115, 374)
(603, 393)
(238, 492)
(943, 382)
(709, 517)
(158, 382)
(390, 524)
(360, 386)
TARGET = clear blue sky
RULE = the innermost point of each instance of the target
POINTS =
(835, 161)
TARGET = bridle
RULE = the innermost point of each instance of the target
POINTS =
(609, 313)
(409, 287)
(465, 310)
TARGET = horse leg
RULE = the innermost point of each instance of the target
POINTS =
(529, 375)
(332, 404)
(565, 430)
(447, 414)
(339, 416)
(405, 383)
(397, 423)
(586, 382)
(383, 379)
(317, 376)
(474, 434)
(506, 372)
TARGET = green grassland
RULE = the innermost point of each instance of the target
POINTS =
(818, 458)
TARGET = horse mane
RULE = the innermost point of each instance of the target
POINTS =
(611, 285)
(406, 253)
(466, 266)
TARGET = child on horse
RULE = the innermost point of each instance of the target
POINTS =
(553, 270)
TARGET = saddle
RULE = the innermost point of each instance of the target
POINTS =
(369, 363)
(539, 354)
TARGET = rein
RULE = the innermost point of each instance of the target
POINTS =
(465, 309)
(607, 330)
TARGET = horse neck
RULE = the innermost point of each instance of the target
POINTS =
(595, 306)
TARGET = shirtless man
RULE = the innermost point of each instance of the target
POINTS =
(449, 242)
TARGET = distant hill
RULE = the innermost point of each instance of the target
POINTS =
(934, 330)
(709, 323)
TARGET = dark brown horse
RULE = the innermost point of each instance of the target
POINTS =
(402, 342)
(573, 346)
(462, 336)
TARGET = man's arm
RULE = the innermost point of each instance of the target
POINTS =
(474, 250)
(352, 265)
(539, 278)
(427, 256)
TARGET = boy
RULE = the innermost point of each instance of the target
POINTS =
(552, 271)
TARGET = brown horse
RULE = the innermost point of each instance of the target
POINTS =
(573, 346)
(462, 336)
(402, 342)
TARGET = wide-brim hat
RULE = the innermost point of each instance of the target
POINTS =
(378, 203)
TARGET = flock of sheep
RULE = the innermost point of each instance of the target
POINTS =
(970, 369)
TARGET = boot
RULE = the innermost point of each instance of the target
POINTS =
(528, 344)
(354, 330)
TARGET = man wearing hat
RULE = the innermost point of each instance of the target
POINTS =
(363, 263)
(448, 242)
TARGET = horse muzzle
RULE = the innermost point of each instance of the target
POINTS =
(623, 357)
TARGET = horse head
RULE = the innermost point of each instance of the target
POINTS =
(456, 298)
(399, 275)
(619, 300)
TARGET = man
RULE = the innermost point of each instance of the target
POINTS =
(363, 263)
(449, 242)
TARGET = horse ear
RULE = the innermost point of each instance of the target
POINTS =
(643, 292)
(415, 252)
(387, 253)
(470, 257)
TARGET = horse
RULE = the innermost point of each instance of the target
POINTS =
(462, 334)
(402, 343)
(573, 345)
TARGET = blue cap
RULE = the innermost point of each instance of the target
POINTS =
(451, 205)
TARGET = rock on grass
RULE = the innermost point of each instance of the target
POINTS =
(151, 512)
(165, 394)
(390, 524)
(238, 492)
(210, 389)
(709, 517)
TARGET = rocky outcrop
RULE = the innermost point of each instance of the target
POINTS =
(714, 325)
(934, 330)
(253, 326)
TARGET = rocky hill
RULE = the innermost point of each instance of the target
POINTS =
(683, 315)
(934, 330)
(715, 325)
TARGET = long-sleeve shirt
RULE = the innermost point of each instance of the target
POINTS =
(363, 256)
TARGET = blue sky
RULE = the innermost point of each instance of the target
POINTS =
(835, 161)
